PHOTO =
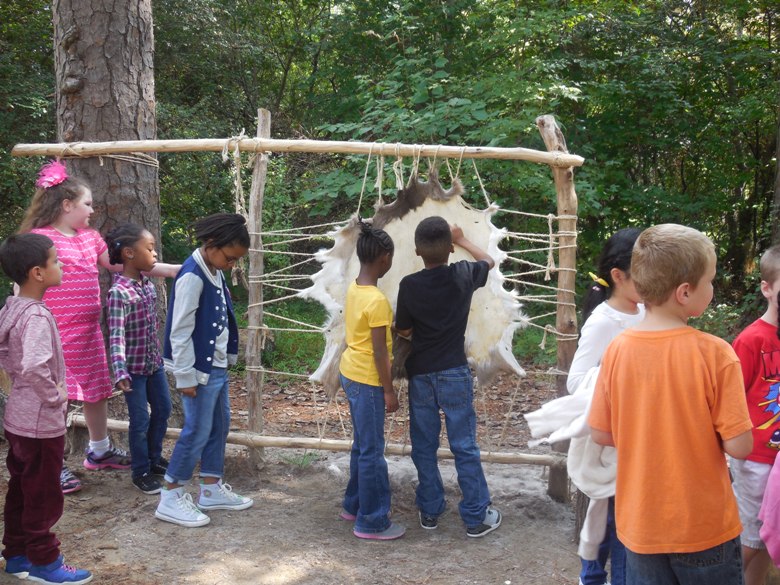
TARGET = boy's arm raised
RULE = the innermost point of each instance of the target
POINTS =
(478, 253)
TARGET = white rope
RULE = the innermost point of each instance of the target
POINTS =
(481, 185)
(380, 177)
(289, 320)
(365, 175)
(398, 170)
(298, 228)
(274, 372)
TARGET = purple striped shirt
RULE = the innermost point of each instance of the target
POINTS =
(132, 327)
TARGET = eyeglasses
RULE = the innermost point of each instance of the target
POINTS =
(228, 259)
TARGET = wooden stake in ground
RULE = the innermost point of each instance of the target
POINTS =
(566, 318)
(254, 347)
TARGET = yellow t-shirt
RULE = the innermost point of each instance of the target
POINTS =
(365, 307)
(670, 398)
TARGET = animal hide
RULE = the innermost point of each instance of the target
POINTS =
(495, 313)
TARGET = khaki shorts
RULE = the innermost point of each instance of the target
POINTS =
(750, 479)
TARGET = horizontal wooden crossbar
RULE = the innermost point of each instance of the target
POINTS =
(77, 149)
(255, 440)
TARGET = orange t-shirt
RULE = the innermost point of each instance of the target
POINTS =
(669, 398)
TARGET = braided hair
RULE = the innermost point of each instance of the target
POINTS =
(615, 254)
(125, 235)
(222, 229)
(372, 243)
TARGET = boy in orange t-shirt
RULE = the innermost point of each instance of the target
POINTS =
(671, 400)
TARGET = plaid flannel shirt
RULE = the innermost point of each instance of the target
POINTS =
(132, 328)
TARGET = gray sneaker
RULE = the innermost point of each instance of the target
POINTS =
(220, 496)
(489, 524)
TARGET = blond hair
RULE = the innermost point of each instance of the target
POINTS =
(46, 205)
(666, 256)
(770, 264)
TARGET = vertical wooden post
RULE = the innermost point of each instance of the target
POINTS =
(254, 372)
(566, 318)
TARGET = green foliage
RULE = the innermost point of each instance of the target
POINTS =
(304, 459)
(527, 348)
(295, 352)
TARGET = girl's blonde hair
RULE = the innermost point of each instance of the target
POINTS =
(46, 205)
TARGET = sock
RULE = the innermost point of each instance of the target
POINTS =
(167, 494)
(99, 448)
(210, 486)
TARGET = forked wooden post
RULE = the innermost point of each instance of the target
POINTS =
(566, 315)
(254, 345)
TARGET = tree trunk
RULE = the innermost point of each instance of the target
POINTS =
(105, 91)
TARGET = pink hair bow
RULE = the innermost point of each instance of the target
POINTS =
(51, 174)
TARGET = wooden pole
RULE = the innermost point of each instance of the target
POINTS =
(248, 439)
(566, 315)
(76, 149)
(254, 346)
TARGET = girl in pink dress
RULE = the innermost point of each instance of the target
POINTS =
(60, 209)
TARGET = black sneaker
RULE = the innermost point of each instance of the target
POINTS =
(489, 524)
(428, 522)
(159, 468)
(147, 483)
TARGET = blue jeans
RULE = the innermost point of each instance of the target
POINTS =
(147, 432)
(368, 491)
(451, 391)
(206, 426)
(719, 565)
(595, 572)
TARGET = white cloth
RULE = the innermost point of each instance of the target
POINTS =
(564, 417)
(594, 529)
(591, 467)
(603, 325)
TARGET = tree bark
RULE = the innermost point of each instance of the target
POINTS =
(104, 65)
(105, 91)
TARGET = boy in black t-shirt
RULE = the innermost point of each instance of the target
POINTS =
(433, 307)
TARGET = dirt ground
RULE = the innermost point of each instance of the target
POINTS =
(292, 535)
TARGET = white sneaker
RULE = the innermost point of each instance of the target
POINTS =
(177, 507)
(220, 496)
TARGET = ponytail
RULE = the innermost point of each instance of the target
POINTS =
(615, 254)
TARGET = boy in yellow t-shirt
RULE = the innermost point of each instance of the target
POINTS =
(364, 372)
(671, 400)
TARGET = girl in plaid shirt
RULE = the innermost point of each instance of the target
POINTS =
(135, 351)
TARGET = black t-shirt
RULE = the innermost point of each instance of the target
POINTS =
(435, 303)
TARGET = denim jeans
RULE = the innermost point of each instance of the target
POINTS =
(206, 426)
(719, 565)
(451, 391)
(368, 491)
(147, 432)
(595, 572)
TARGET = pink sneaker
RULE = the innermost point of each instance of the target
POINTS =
(344, 515)
(390, 533)
(114, 458)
